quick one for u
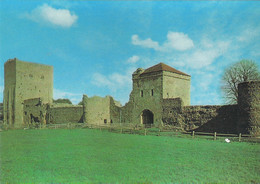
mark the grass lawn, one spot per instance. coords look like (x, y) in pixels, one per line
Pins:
(94, 156)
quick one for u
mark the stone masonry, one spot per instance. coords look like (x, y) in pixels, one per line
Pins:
(160, 96)
(24, 80)
(150, 88)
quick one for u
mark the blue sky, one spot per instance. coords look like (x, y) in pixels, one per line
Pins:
(95, 46)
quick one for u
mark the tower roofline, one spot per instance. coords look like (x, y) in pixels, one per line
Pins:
(162, 67)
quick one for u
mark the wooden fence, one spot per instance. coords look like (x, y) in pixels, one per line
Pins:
(151, 130)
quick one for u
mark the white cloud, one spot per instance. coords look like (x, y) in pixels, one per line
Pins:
(206, 55)
(175, 41)
(118, 85)
(113, 81)
(202, 58)
(148, 43)
(50, 15)
(207, 80)
(248, 34)
(100, 80)
(74, 97)
(133, 59)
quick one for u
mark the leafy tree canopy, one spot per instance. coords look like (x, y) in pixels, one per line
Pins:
(62, 100)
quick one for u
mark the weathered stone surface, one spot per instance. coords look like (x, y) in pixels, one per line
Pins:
(1, 113)
(34, 111)
(151, 87)
(249, 106)
(100, 111)
(64, 113)
(24, 80)
(160, 96)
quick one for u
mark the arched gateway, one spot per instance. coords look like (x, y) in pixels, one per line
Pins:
(147, 117)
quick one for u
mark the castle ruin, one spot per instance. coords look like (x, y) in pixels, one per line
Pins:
(22, 81)
(160, 96)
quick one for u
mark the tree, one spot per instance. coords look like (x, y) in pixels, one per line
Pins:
(81, 102)
(242, 71)
(62, 100)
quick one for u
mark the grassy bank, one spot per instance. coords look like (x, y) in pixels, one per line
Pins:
(84, 155)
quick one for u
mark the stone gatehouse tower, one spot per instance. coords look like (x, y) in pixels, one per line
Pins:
(22, 81)
(151, 87)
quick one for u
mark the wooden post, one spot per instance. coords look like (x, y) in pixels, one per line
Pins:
(239, 137)
(159, 132)
(215, 136)
(145, 131)
(193, 134)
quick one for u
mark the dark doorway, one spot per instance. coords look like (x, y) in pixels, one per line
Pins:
(147, 117)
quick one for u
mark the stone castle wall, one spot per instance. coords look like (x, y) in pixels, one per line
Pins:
(249, 107)
(146, 95)
(100, 111)
(25, 80)
(213, 118)
(1, 112)
(221, 119)
(34, 111)
(176, 86)
(64, 113)
(115, 111)
(158, 97)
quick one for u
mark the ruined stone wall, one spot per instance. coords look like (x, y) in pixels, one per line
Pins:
(221, 119)
(1, 113)
(176, 86)
(9, 92)
(249, 106)
(126, 113)
(25, 80)
(172, 109)
(101, 111)
(34, 111)
(64, 113)
(96, 110)
(115, 111)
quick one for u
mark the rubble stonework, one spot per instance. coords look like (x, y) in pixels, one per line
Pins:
(22, 81)
(64, 113)
(34, 111)
(249, 106)
(160, 96)
(207, 118)
(1, 113)
(100, 111)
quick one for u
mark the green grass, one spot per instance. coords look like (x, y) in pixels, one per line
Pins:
(94, 156)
